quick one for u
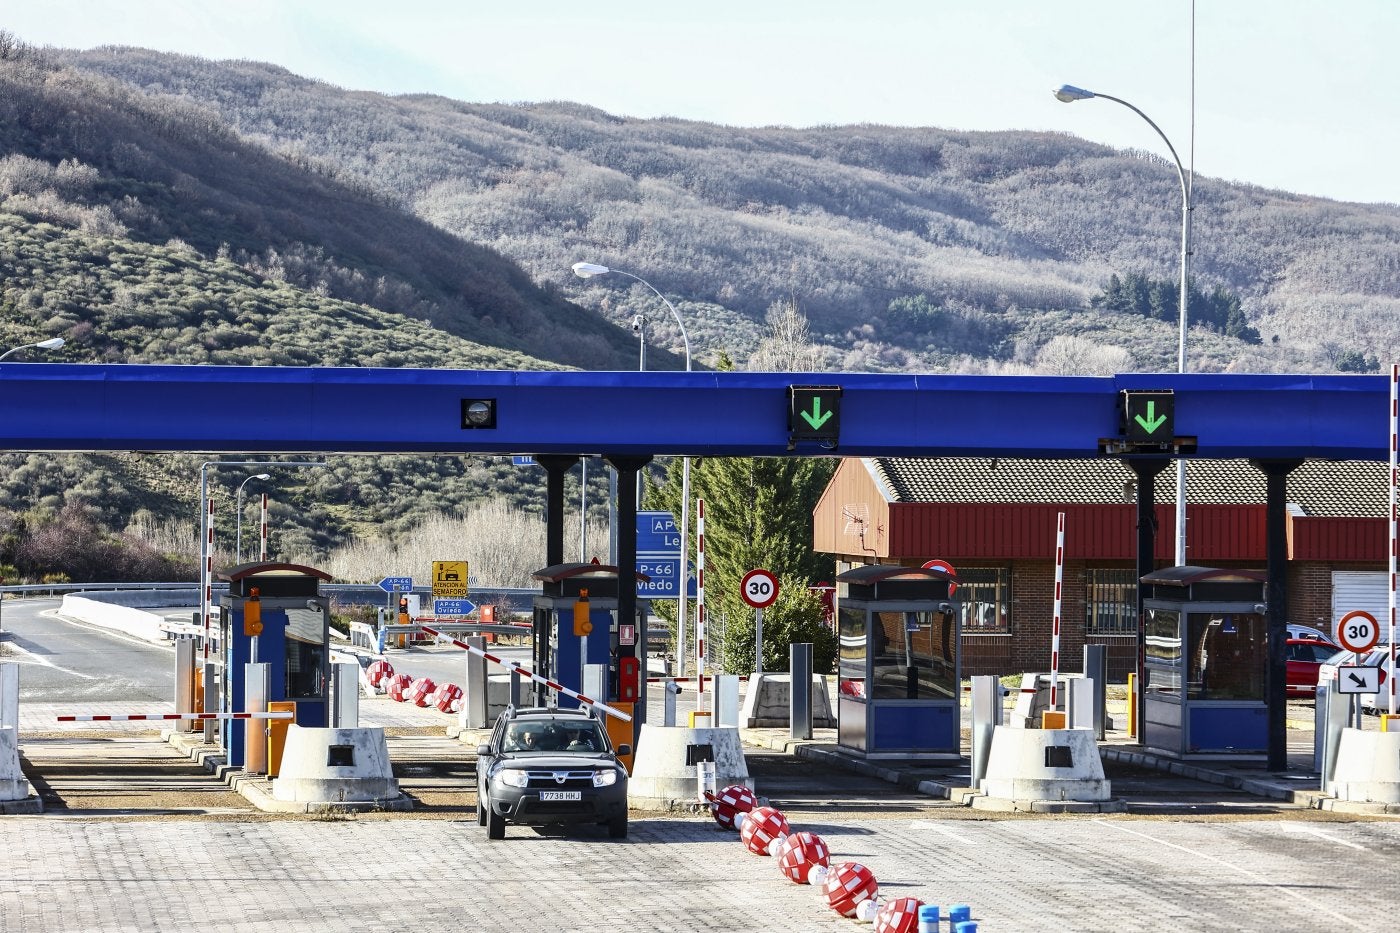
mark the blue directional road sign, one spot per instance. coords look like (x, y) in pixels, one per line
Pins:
(665, 575)
(523, 461)
(453, 607)
(658, 535)
(396, 584)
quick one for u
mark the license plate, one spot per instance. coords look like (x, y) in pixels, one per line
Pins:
(561, 795)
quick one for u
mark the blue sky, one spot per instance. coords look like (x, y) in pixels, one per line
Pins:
(1293, 94)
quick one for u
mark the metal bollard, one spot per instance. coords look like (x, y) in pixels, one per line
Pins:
(1096, 669)
(800, 690)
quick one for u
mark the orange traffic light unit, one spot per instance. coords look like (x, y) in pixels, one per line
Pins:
(582, 623)
(252, 614)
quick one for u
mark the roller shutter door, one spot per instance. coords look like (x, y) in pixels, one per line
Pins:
(1365, 590)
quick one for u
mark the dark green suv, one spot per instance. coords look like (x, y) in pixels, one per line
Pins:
(545, 766)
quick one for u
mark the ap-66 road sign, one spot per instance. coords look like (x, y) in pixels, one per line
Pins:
(396, 584)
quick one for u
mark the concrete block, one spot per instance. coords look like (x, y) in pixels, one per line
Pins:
(1045, 764)
(661, 779)
(1368, 767)
(767, 702)
(13, 785)
(337, 766)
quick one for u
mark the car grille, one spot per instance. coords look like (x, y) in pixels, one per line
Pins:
(550, 780)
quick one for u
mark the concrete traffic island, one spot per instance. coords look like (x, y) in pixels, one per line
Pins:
(768, 698)
(15, 794)
(1046, 771)
(334, 770)
(661, 777)
(1368, 767)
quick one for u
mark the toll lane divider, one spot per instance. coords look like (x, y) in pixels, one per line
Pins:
(136, 717)
(512, 665)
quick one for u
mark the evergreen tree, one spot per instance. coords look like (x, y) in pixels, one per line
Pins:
(758, 513)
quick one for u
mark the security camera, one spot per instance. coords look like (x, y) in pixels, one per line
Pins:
(313, 605)
(637, 324)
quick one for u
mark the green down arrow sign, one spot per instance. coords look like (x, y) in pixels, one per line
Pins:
(1148, 417)
(814, 412)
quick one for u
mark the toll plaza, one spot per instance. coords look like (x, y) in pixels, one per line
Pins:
(1148, 419)
(899, 684)
(275, 618)
(1206, 663)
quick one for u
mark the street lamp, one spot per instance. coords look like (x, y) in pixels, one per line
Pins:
(1068, 94)
(238, 536)
(53, 343)
(587, 270)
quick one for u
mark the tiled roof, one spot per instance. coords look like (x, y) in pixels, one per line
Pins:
(1318, 487)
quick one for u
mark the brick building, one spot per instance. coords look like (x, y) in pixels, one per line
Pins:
(994, 521)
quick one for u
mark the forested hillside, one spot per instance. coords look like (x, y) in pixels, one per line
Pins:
(157, 208)
(1006, 237)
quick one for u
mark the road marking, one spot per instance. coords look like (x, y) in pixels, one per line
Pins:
(32, 658)
(1299, 828)
(1319, 906)
(930, 824)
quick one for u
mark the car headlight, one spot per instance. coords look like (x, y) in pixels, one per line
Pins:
(513, 778)
(604, 778)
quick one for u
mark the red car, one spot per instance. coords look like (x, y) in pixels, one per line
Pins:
(1305, 656)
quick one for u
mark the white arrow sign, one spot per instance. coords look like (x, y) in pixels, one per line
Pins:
(1358, 678)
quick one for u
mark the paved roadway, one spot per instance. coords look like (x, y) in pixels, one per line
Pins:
(146, 840)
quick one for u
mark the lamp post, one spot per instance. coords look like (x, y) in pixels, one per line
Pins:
(238, 536)
(587, 270)
(53, 343)
(206, 531)
(1068, 94)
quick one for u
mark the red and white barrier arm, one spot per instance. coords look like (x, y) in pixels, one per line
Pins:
(526, 672)
(137, 717)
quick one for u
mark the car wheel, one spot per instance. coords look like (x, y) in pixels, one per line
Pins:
(495, 825)
(617, 827)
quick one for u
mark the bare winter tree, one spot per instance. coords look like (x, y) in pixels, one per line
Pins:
(788, 345)
(1075, 356)
(503, 546)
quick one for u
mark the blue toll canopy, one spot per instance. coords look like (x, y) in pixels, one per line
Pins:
(292, 409)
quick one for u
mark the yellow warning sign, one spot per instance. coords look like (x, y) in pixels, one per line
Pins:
(450, 578)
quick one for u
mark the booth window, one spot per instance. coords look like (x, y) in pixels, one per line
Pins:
(1162, 638)
(306, 654)
(851, 636)
(1228, 656)
(913, 656)
(984, 594)
(1110, 601)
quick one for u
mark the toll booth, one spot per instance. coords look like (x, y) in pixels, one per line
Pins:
(576, 623)
(274, 614)
(899, 672)
(1205, 663)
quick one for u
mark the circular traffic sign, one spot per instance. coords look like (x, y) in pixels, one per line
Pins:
(759, 589)
(947, 568)
(1358, 631)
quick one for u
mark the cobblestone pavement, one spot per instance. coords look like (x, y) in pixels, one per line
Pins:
(684, 873)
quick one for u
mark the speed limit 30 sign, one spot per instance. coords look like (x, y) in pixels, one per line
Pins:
(759, 589)
(1358, 631)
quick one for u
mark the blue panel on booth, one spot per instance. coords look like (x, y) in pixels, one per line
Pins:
(1229, 729)
(915, 728)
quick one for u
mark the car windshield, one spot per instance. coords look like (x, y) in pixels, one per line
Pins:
(554, 736)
